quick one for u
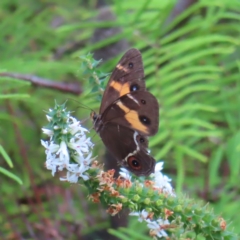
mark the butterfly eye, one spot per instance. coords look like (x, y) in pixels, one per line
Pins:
(142, 140)
(93, 116)
(144, 120)
(143, 101)
(133, 163)
(134, 87)
(130, 65)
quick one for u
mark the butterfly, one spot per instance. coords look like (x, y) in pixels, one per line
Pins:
(128, 115)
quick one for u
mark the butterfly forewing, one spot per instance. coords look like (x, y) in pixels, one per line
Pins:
(130, 149)
(137, 110)
(128, 76)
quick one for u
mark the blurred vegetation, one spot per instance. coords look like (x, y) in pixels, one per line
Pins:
(191, 56)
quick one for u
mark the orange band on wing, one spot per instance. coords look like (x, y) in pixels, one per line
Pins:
(132, 117)
(122, 89)
(121, 67)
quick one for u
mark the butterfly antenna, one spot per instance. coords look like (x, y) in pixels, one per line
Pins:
(82, 105)
(95, 134)
(84, 120)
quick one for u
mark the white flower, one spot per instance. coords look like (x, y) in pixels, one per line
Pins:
(125, 173)
(159, 166)
(64, 131)
(55, 160)
(63, 153)
(80, 144)
(52, 164)
(83, 160)
(73, 153)
(49, 118)
(47, 132)
(74, 172)
(75, 126)
(162, 181)
(50, 148)
(157, 227)
(141, 215)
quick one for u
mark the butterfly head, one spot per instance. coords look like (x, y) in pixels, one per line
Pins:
(94, 116)
(97, 123)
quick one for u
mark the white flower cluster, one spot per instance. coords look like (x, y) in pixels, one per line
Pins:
(160, 181)
(76, 148)
(156, 227)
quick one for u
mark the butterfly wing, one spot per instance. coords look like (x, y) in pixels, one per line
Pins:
(128, 76)
(128, 114)
(137, 110)
(130, 149)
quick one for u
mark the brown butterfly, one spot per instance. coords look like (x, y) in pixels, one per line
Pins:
(128, 114)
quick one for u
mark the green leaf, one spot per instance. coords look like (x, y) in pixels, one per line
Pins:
(14, 96)
(214, 165)
(10, 175)
(191, 152)
(233, 155)
(6, 157)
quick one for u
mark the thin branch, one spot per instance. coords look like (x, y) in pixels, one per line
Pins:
(73, 88)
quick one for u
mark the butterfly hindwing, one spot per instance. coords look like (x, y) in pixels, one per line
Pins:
(130, 149)
(126, 77)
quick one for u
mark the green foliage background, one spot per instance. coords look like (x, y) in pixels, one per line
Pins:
(192, 66)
